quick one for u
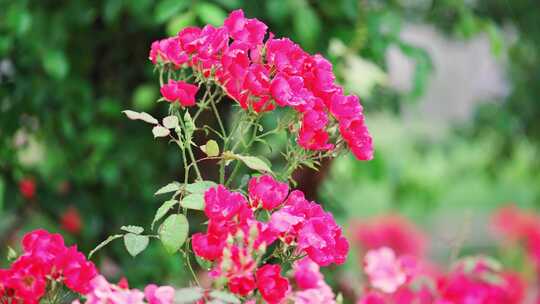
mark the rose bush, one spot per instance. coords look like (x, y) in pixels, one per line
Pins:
(250, 241)
(262, 241)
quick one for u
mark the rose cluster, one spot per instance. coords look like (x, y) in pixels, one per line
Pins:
(102, 291)
(312, 289)
(236, 240)
(313, 230)
(45, 258)
(473, 280)
(261, 74)
(396, 279)
(399, 273)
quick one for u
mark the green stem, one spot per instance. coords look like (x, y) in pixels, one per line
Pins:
(202, 106)
(161, 76)
(187, 145)
(214, 108)
(253, 125)
(223, 134)
(233, 174)
(188, 262)
(221, 172)
(192, 156)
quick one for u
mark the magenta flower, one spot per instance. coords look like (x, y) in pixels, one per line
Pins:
(179, 91)
(287, 91)
(242, 285)
(222, 204)
(356, 134)
(260, 74)
(272, 286)
(267, 192)
(472, 280)
(76, 270)
(311, 284)
(45, 257)
(249, 31)
(168, 50)
(314, 230)
(207, 246)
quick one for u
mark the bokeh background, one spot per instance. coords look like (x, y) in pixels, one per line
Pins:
(451, 89)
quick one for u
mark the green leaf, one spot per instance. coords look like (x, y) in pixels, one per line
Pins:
(160, 131)
(339, 298)
(140, 116)
(135, 244)
(224, 296)
(187, 295)
(170, 187)
(255, 163)
(210, 13)
(165, 207)
(205, 264)
(12, 254)
(104, 243)
(173, 232)
(56, 64)
(170, 122)
(200, 187)
(168, 8)
(193, 201)
(492, 263)
(211, 148)
(132, 229)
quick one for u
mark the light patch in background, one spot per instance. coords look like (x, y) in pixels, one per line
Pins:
(465, 74)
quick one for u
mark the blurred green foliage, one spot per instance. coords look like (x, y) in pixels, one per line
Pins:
(67, 69)
(417, 174)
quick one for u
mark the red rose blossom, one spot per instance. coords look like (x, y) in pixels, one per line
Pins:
(179, 91)
(272, 286)
(27, 187)
(71, 221)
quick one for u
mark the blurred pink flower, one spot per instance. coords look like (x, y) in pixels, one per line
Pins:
(384, 270)
(159, 294)
(393, 231)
